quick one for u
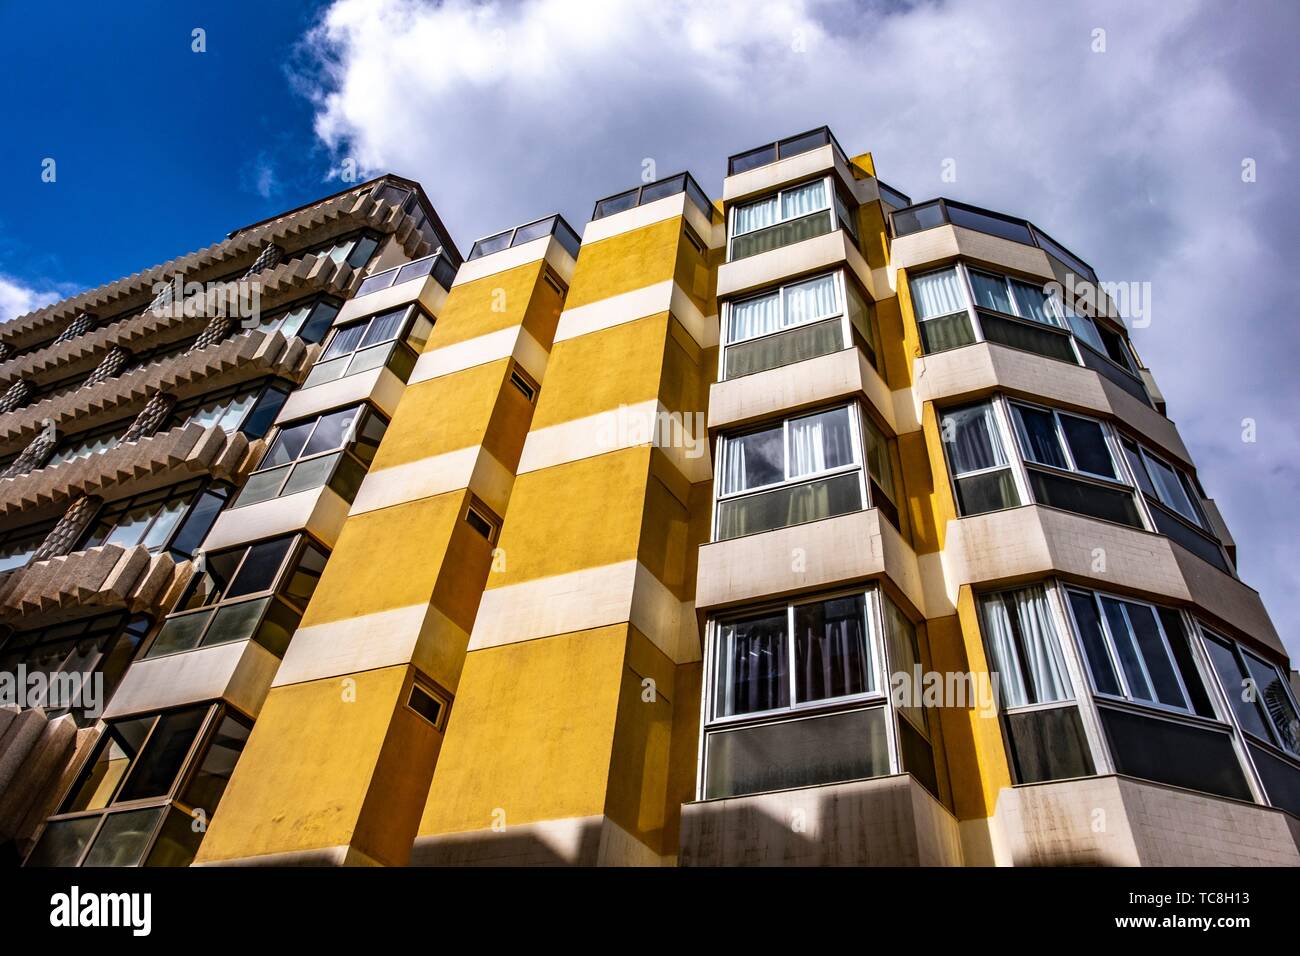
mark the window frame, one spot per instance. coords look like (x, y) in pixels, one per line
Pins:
(263, 387)
(842, 292)
(398, 343)
(838, 208)
(197, 488)
(188, 767)
(858, 464)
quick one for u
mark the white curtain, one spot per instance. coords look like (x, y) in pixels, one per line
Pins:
(803, 200)
(819, 442)
(756, 215)
(733, 469)
(938, 293)
(754, 317)
(973, 442)
(1024, 647)
(812, 300)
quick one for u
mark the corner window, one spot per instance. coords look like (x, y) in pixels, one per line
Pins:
(332, 449)
(150, 778)
(1173, 501)
(1040, 718)
(786, 217)
(795, 696)
(392, 339)
(257, 591)
(982, 473)
(1257, 691)
(799, 321)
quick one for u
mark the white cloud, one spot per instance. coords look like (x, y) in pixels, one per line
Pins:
(18, 299)
(1131, 157)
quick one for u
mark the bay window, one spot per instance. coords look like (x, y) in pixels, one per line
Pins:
(393, 339)
(960, 305)
(1040, 716)
(983, 475)
(805, 468)
(1265, 709)
(798, 321)
(140, 797)
(256, 591)
(796, 695)
(1173, 500)
(1071, 464)
(788, 216)
(331, 449)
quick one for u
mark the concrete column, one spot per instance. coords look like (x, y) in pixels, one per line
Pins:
(112, 366)
(82, 324)
(16, 397)
(150, 418)
(63, 537)
(34, 456)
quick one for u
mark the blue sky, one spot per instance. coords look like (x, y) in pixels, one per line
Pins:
(1128, 150)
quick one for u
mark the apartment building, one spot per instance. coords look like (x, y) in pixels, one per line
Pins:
(808, 525)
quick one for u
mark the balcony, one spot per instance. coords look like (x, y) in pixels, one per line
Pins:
(784, 149)
(941, 212)
(652, 192)
(439, 265)
(522, 235)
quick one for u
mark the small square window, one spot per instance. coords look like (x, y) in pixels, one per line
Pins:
(425, 704)
(477, 518)
(524, 384)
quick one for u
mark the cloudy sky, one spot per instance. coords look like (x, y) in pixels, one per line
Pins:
(1155, 139)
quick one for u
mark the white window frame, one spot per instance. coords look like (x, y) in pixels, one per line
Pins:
(878, 696)
(1010, 451)
(841, 293)
(1107, 433)
(859, 463)
(833, 201)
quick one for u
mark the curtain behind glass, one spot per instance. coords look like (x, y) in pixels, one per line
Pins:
(344, 341)
(812, 300)
(937, 293)
(991, 292)
(973, 442)
(755, 215)
(752, 673)
(803, 200)
(1033, 303)
(1024, 648)
(754, 317)
(820, 442)
(832, 658)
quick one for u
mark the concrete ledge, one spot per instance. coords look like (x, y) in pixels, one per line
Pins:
(833, 552)
(886, 821)
(318, 511)
(546, 248)
(975, 371)
(944, 243)
(575, 841)
(424, 290)
(1022, 544)
(790, 388)
(1120, 821)
(239, 673)
(833, 250)
(378, 386)
(770, 177)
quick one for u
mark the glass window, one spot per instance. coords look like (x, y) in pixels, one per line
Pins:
(1024, 649)
(811, 464)
(789, 216)
(373, 342)
(249, 408)
(93, 441)
(1257, 692)
(309, 321)
(980, 468)
(149, 519)
(1129, 653)
(255, 592)
(333, 449)
(17, 545)
(800, 654)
